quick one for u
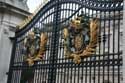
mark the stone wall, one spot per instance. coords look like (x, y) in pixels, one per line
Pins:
(10, 16)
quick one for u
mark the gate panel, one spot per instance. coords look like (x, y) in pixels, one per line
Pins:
(105, 66)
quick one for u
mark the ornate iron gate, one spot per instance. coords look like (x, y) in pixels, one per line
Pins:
(105, 66)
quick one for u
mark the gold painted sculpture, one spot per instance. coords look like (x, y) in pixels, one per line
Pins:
(34, 47)
(80, 38)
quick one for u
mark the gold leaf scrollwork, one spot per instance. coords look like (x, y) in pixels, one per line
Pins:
(91, 48)
(31, 54)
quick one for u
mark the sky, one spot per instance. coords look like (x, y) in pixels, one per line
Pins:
(33, 4)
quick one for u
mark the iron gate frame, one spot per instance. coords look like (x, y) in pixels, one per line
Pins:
(94, 6)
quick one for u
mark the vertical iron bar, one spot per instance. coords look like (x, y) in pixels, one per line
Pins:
(104, 40)
(113, 62)
(99, 38)
(118, 46)
(12, 61)
(109, 32)
(86, 59)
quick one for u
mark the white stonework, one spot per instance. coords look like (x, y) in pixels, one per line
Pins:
(12, 12)
(17, 3)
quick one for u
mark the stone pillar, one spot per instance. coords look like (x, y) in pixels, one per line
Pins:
(10, 15)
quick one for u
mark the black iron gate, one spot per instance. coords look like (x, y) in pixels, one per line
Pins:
(105, 66)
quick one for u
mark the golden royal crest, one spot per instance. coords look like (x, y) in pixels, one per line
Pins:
(34, 46)
(80, 38)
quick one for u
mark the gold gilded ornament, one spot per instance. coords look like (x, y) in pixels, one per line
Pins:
(80, 38)
(66, 33)
(90, 49)
(42, 47)
(34, 46)
(78, 42)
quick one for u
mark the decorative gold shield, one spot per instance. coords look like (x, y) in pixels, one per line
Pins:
(80, 38)
(34, 46)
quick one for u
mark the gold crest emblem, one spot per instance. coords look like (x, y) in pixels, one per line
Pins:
(80, 38)
(34, 46)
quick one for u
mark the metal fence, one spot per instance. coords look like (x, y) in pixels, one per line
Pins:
(105, 66)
